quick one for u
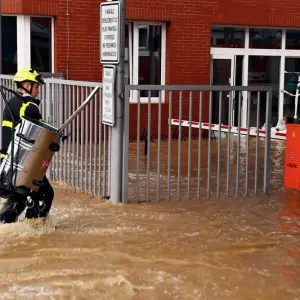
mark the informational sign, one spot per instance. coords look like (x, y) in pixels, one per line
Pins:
(108, 95)
(110, 32)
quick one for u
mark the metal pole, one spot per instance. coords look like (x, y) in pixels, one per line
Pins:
(117, 130)
(267, 160)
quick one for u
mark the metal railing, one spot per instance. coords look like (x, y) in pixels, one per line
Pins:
(83, 160)
(172, 149)
(195, 166)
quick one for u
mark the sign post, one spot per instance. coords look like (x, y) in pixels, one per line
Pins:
(110, 33)
(112, 56)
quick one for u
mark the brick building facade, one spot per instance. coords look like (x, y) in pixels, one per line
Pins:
(252, 39)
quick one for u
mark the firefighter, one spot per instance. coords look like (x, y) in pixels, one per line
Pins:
(24, 104)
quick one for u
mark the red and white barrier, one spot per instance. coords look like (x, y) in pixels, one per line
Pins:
(278, 135)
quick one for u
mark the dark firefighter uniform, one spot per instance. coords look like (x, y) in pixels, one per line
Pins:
(20, 107)
(23, 106)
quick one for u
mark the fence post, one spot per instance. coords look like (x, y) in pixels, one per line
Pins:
(126, 147)
(117, 130)
(48, 116)
(268, 142)
(48, 103)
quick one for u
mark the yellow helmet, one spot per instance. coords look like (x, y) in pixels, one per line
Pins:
(28, 74)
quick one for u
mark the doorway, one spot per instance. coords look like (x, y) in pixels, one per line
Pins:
(226, 70)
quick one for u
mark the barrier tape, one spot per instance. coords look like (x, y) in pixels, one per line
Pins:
(279, 135)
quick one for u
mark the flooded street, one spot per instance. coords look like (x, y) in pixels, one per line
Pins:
(142, 171)
(222, 248)
(217, 249)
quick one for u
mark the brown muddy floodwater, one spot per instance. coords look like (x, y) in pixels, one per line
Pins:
(229, 248)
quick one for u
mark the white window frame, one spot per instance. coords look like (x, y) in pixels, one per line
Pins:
(24, 41)
(246, 52)
(52, 45)
(129, 53)
(134, 71)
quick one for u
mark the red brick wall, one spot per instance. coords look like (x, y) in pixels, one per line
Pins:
(12, 6)
(188, 33)
(188, 36)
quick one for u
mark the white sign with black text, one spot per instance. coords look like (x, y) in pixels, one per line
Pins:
(110, 32)
(108, 95)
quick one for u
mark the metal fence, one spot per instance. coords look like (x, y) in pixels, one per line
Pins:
(163, 162)
(83, 160)
(172, 149)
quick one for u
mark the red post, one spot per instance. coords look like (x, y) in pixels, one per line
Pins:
(292, 157)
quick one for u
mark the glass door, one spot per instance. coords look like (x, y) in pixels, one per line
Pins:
(222, 74)
(264, 71)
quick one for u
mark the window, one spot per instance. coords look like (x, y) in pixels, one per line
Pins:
(128, 53)
(265, 38)
(26, 42)
(40, 34)
(9, 45)
(291, 77)
(145, 56)
(293, 39)
(271, 57)
(264, 70)
(149, 64)
(229, 37)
